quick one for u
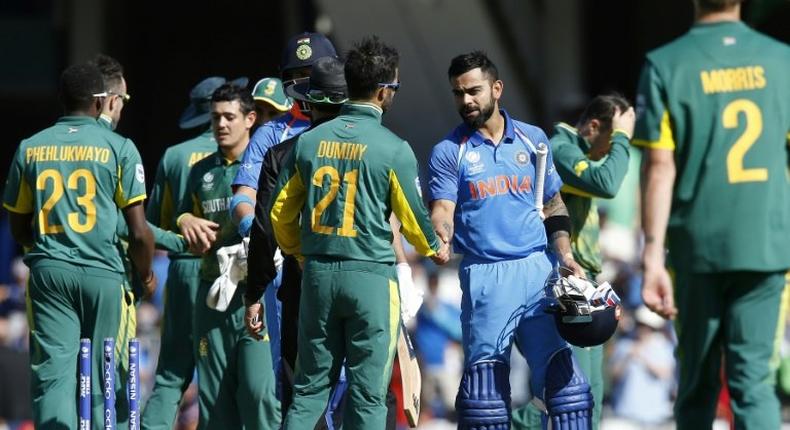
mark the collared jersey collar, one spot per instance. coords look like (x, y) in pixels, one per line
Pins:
(701, 26)
(573, 135)
(77, 120)
(220, 157)
(362, 109)
(477, 139)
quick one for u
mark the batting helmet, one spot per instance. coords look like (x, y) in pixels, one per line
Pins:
(586, 313)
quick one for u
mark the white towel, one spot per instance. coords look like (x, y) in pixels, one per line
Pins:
(232, 268)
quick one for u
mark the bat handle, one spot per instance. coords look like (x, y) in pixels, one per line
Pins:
(540, 173)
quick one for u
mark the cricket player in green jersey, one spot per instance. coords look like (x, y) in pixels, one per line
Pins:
(344, 178)
(114, 100)
(592, 160)
(176, 363)
(713, 114)
(62, 181)
(236, 379)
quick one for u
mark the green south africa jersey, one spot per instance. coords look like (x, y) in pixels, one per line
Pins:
(207, 195)
(583, 181)
(69, 177)
(719, 97)
(171, 180)
(344, 178)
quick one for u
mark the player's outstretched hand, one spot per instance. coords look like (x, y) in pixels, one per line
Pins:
(624, 121)
(199, 233)
(443, 256)
(657, 291)
(253, 320)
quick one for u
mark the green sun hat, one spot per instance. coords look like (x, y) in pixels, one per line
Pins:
(270, 90)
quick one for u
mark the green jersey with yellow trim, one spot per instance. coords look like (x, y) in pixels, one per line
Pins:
(171, 180)
(68, 177)
(345, 177)
(584, 180)
(719, 97)
(207, 195)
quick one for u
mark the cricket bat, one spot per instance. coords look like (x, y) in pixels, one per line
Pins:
(540, 173)
(411, 380)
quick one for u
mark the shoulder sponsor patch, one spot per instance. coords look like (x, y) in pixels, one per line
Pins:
(418, 185)
(139, 173)
(580, 167)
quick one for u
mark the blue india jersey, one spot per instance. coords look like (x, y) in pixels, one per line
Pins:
(493, 187)
(266, 136)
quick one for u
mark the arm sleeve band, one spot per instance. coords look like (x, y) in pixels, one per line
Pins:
(557, 223)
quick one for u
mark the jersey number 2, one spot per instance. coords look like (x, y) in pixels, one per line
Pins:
(754, 127)
(350, 178)
(85, 200)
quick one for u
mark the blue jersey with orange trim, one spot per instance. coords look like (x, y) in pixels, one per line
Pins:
(268, 135)
(493, 187)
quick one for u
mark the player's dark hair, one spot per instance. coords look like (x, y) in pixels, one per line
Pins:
(110, 68)
(715, 5)
(603, 108)
(371, 62)
(229, 92)
(78, 84)
(473, 60)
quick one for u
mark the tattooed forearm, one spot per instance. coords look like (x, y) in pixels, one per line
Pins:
(555, 206)
(448, 229)
(557, 235)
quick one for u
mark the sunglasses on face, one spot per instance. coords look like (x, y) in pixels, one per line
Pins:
(320, 96)
(394, 86)
(124, 97)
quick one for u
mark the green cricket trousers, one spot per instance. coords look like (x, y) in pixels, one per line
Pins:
(349, 310)
(733, 315)
(67, 302)
(236, 385)
(176, 363)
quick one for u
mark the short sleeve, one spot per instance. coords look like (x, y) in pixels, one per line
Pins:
(18, 196)
(653, 129)
(443, 171)
(250, 169)
(131, 176)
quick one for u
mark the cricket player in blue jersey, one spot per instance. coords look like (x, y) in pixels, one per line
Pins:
(482, 181)
(298, 57)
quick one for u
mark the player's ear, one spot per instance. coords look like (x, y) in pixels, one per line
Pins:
(250, 118)
(496, 89)
(594, 125)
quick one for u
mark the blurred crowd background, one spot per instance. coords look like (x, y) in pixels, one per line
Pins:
(553, 57)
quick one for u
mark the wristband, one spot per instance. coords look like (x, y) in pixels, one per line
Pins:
(620, 130)
(245, 225)
(237, 199)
